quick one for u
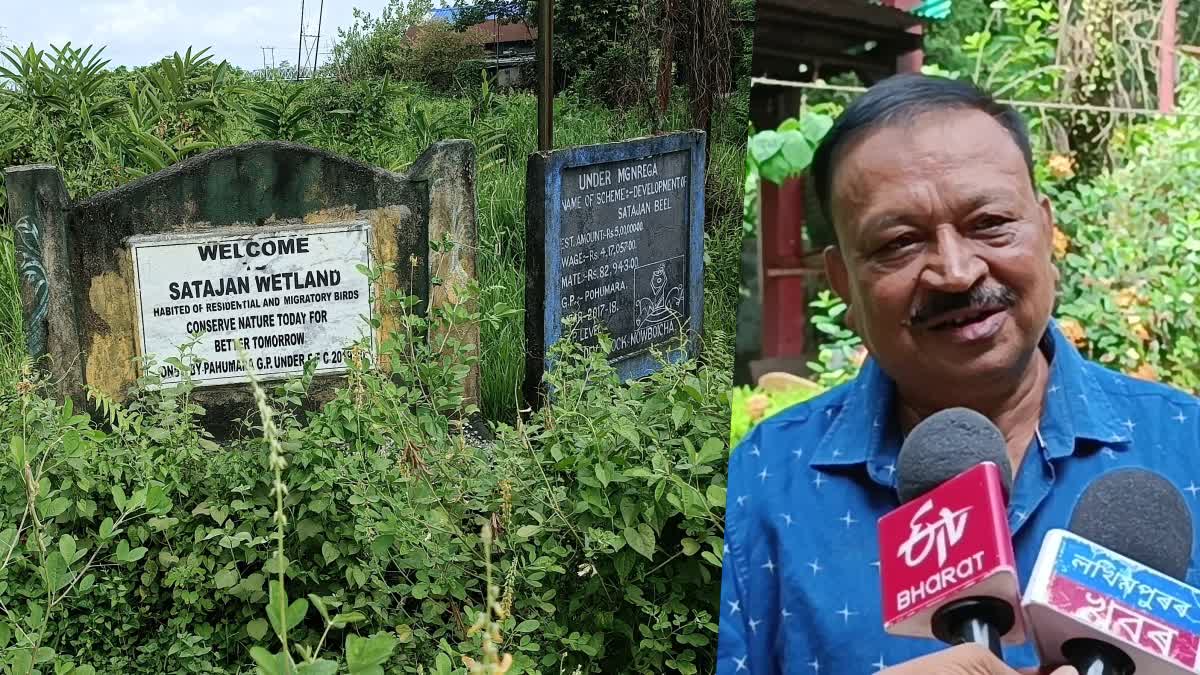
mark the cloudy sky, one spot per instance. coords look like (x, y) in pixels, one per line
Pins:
(138, 32)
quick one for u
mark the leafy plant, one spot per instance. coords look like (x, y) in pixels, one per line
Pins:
(778, 155)
(786, 152)
(60, 80)
(1128, 254)
(281, 114)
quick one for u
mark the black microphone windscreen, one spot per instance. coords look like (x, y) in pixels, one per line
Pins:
(946, 444)
(1140, 515)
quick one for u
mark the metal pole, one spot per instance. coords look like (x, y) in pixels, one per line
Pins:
(300, 47)
(317, 49)
(1166, 57)
(545, 75)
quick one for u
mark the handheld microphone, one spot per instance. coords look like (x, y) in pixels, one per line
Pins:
(946, 557)
(1105, 595)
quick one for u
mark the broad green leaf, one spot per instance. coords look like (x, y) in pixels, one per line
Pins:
(55, 571)
(16, 443)
(797, 151)
(296, 612)
(276, 604)
(226, 578)
(528, 626)
(764, 145)
(342, 620)
(626, 428)
(526, 531)
(715, 496)
(679, 415)
(777, 169)
(66, 546)
(8, 538)
(365, 656)
(157, 502)
(21, 660)
(118, 497)
(320, 605)
(125, 554)
(55, 507)
(137, 500)
(268, 663)
(257, 629)
(329, 552)
(629, 511)
(815, 126)
(318, 667)
(602, 474)
(713, 450)
(641, 539)
(86, 583)
(690, 546)
(106, 528)
(162, 524)
(307, 528)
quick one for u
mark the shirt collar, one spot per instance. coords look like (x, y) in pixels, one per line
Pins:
(862, 429)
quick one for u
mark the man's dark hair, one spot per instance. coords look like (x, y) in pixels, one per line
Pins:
(896, 100)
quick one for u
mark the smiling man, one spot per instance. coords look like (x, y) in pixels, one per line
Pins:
(943, 254)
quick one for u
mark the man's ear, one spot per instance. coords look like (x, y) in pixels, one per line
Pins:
(1049, 226)
(839, 279)
(836, 272)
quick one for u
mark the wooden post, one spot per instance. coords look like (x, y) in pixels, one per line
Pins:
(545, 75)
(781, 237)
(909, 62)
(1166, 57)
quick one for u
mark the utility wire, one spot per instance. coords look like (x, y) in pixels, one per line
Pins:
(1050, 105)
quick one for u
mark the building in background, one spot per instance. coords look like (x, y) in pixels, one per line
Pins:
(510, 45)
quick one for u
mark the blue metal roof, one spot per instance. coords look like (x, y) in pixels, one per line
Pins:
(451, 13)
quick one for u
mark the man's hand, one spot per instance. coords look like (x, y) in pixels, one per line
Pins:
(967, 659)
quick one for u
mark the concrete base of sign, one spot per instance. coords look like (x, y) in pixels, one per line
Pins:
(77, 272)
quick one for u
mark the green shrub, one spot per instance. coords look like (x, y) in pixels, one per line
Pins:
(433, 52)
(605, 507)
(1131, 267)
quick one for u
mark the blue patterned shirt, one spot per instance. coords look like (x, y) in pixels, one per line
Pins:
(800, 585)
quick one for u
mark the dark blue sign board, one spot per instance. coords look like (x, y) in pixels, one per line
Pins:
(615, 237)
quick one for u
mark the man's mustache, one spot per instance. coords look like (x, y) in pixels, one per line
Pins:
(981, 297)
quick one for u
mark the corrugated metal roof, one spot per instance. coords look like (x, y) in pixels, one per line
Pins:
(518, 31)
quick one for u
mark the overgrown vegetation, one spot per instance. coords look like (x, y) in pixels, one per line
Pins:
(375, 535)
(103, 128)
(146, 547)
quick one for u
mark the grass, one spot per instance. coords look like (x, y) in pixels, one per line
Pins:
(12, 352)
(505, 134)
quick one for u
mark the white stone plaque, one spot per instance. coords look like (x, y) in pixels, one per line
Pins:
(284, 296)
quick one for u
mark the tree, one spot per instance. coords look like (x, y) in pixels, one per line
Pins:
(371, 46)
(471, 12)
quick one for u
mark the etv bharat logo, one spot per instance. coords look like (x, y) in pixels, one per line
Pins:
(942, 533)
